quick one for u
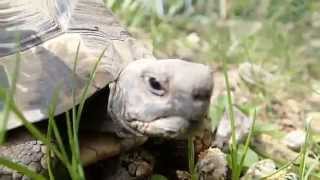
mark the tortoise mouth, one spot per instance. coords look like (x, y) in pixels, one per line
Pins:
(168, 127)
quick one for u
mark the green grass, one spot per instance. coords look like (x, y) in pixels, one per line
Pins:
(234, 145)
(237, 161)
(284, 167)
(191, 159)
(304, 151)
(247, 143)
(21, 168)
(8, 99)
(305, 170)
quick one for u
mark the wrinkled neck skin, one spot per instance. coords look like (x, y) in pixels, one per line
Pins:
(160, 98)
(116, 110)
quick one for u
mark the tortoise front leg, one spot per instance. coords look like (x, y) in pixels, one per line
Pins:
(99, 146)
(22, 148)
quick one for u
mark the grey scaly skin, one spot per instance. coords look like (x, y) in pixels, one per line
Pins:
(28, 153)
(167, 98)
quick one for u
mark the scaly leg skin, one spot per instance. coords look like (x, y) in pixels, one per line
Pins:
(23, 149)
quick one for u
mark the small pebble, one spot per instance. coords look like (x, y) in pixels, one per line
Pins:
(315, 121)
(260, 169)
(295, 139)
(212, 165)
(243, 124)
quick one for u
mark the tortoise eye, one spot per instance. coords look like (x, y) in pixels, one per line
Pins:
(155, 84)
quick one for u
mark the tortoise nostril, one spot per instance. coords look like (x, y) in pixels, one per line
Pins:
(201, 95)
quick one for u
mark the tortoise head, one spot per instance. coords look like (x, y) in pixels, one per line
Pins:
(166, 98)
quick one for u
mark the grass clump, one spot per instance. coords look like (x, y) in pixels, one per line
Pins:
(58, 149)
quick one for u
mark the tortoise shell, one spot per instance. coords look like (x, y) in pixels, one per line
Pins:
(46, 35)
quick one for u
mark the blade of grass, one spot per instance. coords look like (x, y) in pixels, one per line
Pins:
(281, 168)
(11, 107)
(75, 62)
(76, 116)
(85, 92)
(310, 169)
(7, 95)
(73, 147)
(75, 169)
(70, 134)
(21, 169)
(38, 135)
(191, 154)
(34, 131)
(52, 127)
(52, 124)
(9, 98)
(304, 149)
(48, 151)
(247, 143)
(233, 146)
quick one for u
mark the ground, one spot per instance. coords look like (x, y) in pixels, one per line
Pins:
(278, 38)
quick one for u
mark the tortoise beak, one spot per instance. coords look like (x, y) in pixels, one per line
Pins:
(170, 127)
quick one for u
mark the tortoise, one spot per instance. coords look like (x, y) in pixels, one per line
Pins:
(136, 95)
